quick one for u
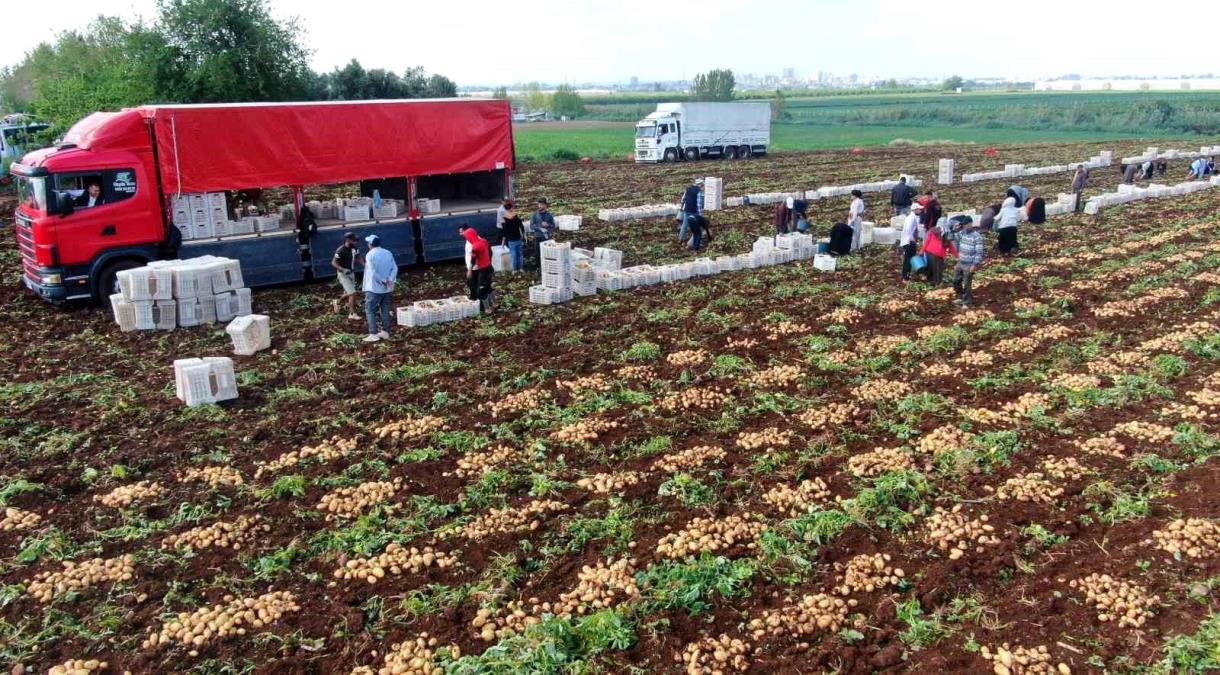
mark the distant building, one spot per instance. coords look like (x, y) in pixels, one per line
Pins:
(1133, 84)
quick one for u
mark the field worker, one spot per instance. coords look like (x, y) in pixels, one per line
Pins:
(542, 227)
(987, 218)
(901, 197)
(699, 233)
(692, 205)
(512, 236)
(1079, 181)
(380, 272)
(1146, 170)
(909, 240)
(783, 215)
(855, 217)
(800, 215)
(479, 271)
(1198, 169)
(505, 206)
(344, 262)
(1035, 210)
(1161, 167)
(935, 244)
(931, 209)
(970, 255)
(1006, 227)
(1019, 194)
(840, 239)
(1129, 173)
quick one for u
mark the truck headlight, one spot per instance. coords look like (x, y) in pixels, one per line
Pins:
(52, 279)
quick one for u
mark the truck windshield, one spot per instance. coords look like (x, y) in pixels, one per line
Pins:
(32, 192)
(646, 132)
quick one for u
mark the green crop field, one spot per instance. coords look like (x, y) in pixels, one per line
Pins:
(824, 122)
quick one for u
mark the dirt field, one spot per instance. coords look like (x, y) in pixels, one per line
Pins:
(835, 472)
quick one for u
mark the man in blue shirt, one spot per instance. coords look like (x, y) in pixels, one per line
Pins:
(380, 273)
(692, 206)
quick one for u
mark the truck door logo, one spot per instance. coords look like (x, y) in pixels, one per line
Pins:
(124, 182)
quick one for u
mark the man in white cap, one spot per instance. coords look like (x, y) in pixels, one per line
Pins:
(380, 273)
(909, 240)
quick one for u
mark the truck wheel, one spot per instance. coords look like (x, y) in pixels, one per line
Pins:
(671, 155)
(730, 152)
(744, 152)
(107, 282)
(692, 154)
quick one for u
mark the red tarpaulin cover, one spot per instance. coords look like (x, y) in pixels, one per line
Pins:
(205, 148)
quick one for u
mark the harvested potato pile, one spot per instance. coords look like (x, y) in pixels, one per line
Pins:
(770, 437)
(234, 617)
(410, 657)
(776, 377)
(46, 586)
(636, 373)
(944, 439)
(396, 560)
(879, 461)
(77, 667)
(507, 520)
(694, 398)
(352, 501)
(1144, 431)
(688, 358)
(1032, 487)
(1128, 604)
(1076, 382)
(831, 415)
(327, 451)
(690, 458)
(868, 573)
(843, 315)
(477, 463)
(972, 358)
(232, 535)
(811, 614)
(410, 428)
(1029, 404)
(1065, 468)
(711, 535)
(783, 329)
(216, 476)
(1190, 537)
(583, 386)
(715, 656)
(515, 404)
(1103, 445)
(875, 391)
(792, 501)
(16, 519)
(1008, 660)
(126, 495)
(604, 483)
(583, 431)
(956, 532)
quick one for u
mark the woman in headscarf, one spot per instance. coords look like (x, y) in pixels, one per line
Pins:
(934, 246)
(478, 268)
(1006, 227)
(855, 217)
(1035, 210)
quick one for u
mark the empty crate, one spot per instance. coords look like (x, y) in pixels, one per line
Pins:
(206, 380)
(250, 334)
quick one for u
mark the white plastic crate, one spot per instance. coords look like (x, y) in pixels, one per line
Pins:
(608, 258)
(165, 314)
(388, 209)
(225, 275)
(607, 281)
(501, 259)
(207, 380)
(585, 288)
(727, 263)
(250, 334)
(557, 280)
(351, 213)
(124, 313)
(824, 263)
(228, 305)
(745, 261)
(146, 283)
(207, 309)
(556, 266)
(554, 250)
(240, 227)
(667, 272)
(885, 236)
(568, 223)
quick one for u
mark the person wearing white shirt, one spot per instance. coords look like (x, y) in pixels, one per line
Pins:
(380, 273)
(1006, 227)
(909, 241)
(855, 218)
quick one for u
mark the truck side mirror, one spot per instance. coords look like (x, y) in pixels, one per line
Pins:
(64, 204)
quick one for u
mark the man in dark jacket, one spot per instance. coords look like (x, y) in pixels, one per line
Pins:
(840, 239)
(901, 197)
(692, 205)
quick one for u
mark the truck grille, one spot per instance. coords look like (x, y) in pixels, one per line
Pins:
(25, 243)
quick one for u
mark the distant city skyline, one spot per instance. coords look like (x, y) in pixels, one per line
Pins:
(481, 43)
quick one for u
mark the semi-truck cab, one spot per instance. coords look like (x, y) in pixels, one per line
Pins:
(101, 201)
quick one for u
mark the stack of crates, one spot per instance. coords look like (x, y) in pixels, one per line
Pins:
(204, 381)
(944, 174)
(556, 283)
(427, 312)
(713, 194)
(250, 333)
(584, 277)
(169, 293)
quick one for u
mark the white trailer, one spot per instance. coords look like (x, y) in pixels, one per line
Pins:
(692, 131)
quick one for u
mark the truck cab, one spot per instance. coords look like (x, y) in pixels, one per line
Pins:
(657, 138)
(83, 216)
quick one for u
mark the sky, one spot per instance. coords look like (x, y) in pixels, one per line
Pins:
(481, 42)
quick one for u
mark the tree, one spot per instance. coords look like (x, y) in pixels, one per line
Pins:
(953, 83)
(535, 99)
(500, 93)
(231, 50)
(715, 85)
(778, 106)
(566, 102)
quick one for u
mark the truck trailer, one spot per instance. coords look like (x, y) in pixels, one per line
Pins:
(453, 155)
(692, 131)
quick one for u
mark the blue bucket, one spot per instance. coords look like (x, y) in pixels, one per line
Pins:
(919, 262)
(823, 247)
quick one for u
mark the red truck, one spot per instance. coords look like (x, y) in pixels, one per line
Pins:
(455, 156)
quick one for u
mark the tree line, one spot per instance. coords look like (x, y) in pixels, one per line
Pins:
(196, 51)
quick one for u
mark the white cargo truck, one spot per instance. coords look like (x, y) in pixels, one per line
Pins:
(691, 131)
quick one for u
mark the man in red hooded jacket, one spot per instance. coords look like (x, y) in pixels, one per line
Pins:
(478, 267)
